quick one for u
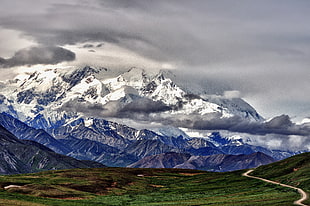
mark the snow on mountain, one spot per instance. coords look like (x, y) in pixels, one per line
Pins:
(171, 132)
(70, 106)
(39, 99)
(217, 138)
(43, 92)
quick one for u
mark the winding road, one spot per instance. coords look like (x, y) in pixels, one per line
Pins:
(304, 195)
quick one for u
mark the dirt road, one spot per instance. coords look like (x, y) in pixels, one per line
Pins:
(303, 194)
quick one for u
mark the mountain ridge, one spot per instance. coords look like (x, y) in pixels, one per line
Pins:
(114, 144)
(24, 156)
(45, 91)
(69, 112)
(215, 163)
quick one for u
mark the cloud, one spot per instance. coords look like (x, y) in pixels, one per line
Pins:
(137, 107)
(38, 55)
(232, 94)
(144, 109)
(2, 61)
(88, 46)
(282, 142)
(277, 133)
(258, 48)
(144, 105)
(87, 109)
(280, 125)
(99, 45)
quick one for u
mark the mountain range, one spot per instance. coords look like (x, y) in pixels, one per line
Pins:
(215, 163)
(124, 145)
(56, 94)
(25, 156)
(69, 112)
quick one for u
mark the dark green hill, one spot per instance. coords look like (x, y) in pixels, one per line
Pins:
(293, 171)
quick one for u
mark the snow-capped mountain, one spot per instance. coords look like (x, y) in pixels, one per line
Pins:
(115, 144)
(68, 111)
(77, 92)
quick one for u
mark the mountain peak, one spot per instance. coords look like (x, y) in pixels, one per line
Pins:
(134, 74)
(135, 70)
(97, 86)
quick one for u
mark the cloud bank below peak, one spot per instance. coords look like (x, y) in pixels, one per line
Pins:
(144, 109)
(277, 133)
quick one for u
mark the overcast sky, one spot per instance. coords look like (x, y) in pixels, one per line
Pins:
(259, 48)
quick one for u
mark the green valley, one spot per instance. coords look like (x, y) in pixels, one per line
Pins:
(130, 186)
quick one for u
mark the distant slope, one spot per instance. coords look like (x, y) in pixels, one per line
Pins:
(217, 162)
(24, 156)
(24, 132)
(293, 171)
(118, 145)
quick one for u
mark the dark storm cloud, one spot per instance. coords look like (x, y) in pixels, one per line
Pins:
(99, 45)
(278, 133)
(88, 46)
(137, 108)
(141, 107)
(144, 109)
(196, 33)
(257, 47)
(84, 108)
(2, 61)
(144, 105)
(280, 125)
(69, 23)
(38, 55)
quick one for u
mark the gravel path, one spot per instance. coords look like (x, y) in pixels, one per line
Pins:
(304, 195)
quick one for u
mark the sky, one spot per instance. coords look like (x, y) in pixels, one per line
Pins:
(258, 49)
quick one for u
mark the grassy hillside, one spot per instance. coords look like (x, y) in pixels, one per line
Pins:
(293, 171)
(135, 186)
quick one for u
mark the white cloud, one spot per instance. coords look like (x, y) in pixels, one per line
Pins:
(232, 94)
(12, 41)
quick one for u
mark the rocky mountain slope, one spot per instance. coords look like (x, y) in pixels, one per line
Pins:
(115, 144)
(49, 93)
(24, 156)
(216, 163)
(67, 111)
